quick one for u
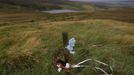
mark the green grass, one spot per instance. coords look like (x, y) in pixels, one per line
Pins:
(28, 40)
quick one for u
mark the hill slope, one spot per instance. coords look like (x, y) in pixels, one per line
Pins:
(28, 40)
(46, 5)
(38, 4)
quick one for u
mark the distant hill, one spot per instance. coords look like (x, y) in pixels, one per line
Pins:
(47, 4)
(66, 4)
(109, 3)
(25, 2)
(37, 4)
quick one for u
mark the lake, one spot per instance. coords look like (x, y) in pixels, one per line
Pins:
(57, 11)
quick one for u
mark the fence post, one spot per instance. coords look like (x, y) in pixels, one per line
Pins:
(65, 38)
(65, 43)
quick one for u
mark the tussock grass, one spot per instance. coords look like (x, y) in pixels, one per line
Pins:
(27, 46)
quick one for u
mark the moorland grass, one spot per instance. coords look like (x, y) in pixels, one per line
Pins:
(27, 46)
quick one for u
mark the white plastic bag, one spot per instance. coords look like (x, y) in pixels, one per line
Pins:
(71, 44)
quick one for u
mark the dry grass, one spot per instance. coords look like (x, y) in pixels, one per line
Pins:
(28, 45)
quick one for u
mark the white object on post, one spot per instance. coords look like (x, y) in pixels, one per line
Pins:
(71, 44)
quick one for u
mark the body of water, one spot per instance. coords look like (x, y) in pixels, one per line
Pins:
(59, 11)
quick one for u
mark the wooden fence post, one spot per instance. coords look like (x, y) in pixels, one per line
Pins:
(65, 43)
(65, 38)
